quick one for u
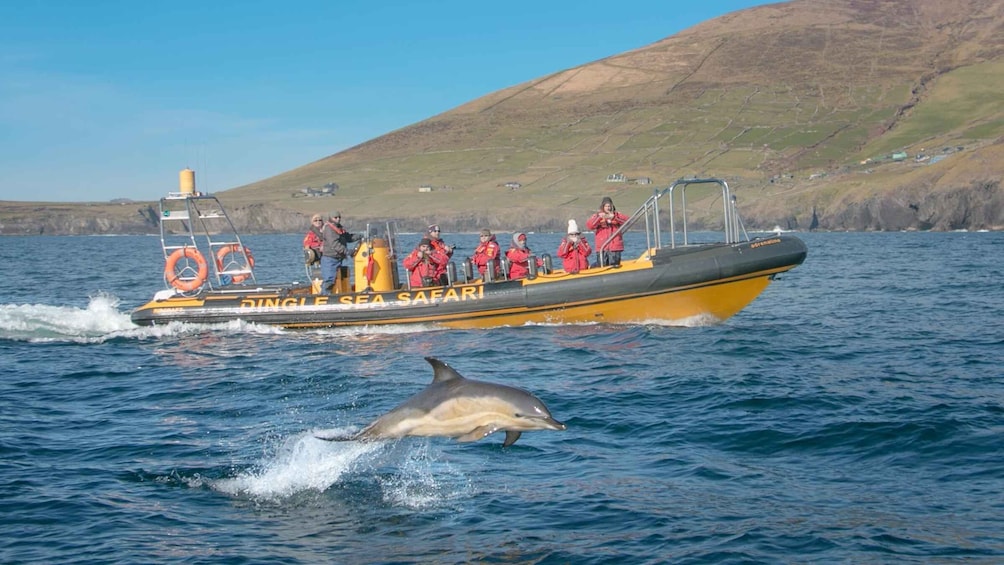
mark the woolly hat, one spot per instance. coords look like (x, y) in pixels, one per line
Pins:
(573, 227)
(335, 214)
(425, 241)
(432, 228)
(486, 231)
(518, 236)
(316, 217)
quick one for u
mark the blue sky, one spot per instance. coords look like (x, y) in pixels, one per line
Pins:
(103, 99)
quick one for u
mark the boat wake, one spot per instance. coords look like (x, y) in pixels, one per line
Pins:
(698, 321)
(102, 321)
(99, 322)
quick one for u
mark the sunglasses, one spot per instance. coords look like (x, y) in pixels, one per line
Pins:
(318, 221)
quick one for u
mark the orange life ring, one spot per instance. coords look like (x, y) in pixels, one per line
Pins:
(221, 256)
(172, 276)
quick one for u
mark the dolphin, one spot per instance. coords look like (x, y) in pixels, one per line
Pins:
(461, 408)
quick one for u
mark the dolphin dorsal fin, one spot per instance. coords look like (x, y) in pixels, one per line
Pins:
(441, 372)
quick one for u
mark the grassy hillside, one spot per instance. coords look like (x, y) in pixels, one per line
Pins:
(800, 105)
(768, 98)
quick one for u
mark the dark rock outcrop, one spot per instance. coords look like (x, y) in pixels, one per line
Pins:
(976, 207)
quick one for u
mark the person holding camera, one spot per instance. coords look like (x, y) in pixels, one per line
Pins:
(313, 240)
(334, 250)
(437, 244)
(605, 222)
(574, 250)
(424, 263)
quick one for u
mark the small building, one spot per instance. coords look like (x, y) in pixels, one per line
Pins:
(425, 188)
(616, 177)
(643, 180)
(513, 185)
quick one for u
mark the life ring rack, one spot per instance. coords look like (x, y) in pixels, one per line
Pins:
(241, 251)
(173, 276)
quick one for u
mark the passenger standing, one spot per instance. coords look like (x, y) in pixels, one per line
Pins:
(605, 222)
(436, 243)
(334, 250)
(488, 255)
(423, 263)
(574, 250)
(519, 257)
(314, 240)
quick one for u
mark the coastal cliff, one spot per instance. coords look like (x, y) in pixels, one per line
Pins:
(977, 206)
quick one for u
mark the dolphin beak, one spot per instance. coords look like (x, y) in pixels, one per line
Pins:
(556, 425)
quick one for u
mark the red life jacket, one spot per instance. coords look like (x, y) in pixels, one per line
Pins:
(425, 270)
(604, 228)
(487, 253)
(575, 257)
(519, 262)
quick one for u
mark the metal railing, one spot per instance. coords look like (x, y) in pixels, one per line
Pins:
(733, 228)
(201, 222)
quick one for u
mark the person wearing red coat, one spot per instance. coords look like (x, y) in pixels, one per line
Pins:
(437, 244)
(519, 257)
(487, 255)
(423, 263)
(574, 250)
(313, 240)
(605, 222)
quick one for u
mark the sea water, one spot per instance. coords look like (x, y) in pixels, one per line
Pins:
(853, 413)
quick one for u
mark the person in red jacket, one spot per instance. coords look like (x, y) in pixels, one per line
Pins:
(424, 263)
(519, 257)
(487, 255)
(437, 244)
(313, 240)
(574, 250)
(605, 222)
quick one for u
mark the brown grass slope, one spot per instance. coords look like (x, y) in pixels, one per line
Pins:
(785, 101)
(765, 97)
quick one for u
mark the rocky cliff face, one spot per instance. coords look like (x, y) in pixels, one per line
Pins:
(980, 205)
(133, 218)
(80, 219)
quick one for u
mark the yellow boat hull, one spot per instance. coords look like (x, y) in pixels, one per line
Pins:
(702, 284)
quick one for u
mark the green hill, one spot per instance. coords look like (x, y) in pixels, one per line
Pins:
(801, 106)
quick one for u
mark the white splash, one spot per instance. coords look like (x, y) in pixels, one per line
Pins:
(100, 321)
(698, 321)
(425, 481)
(303, 463)
(418, 479)
(40, 322)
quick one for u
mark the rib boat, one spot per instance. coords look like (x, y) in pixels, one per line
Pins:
(209, 276)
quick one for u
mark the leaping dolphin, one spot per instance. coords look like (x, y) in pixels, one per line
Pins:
(461, 408)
